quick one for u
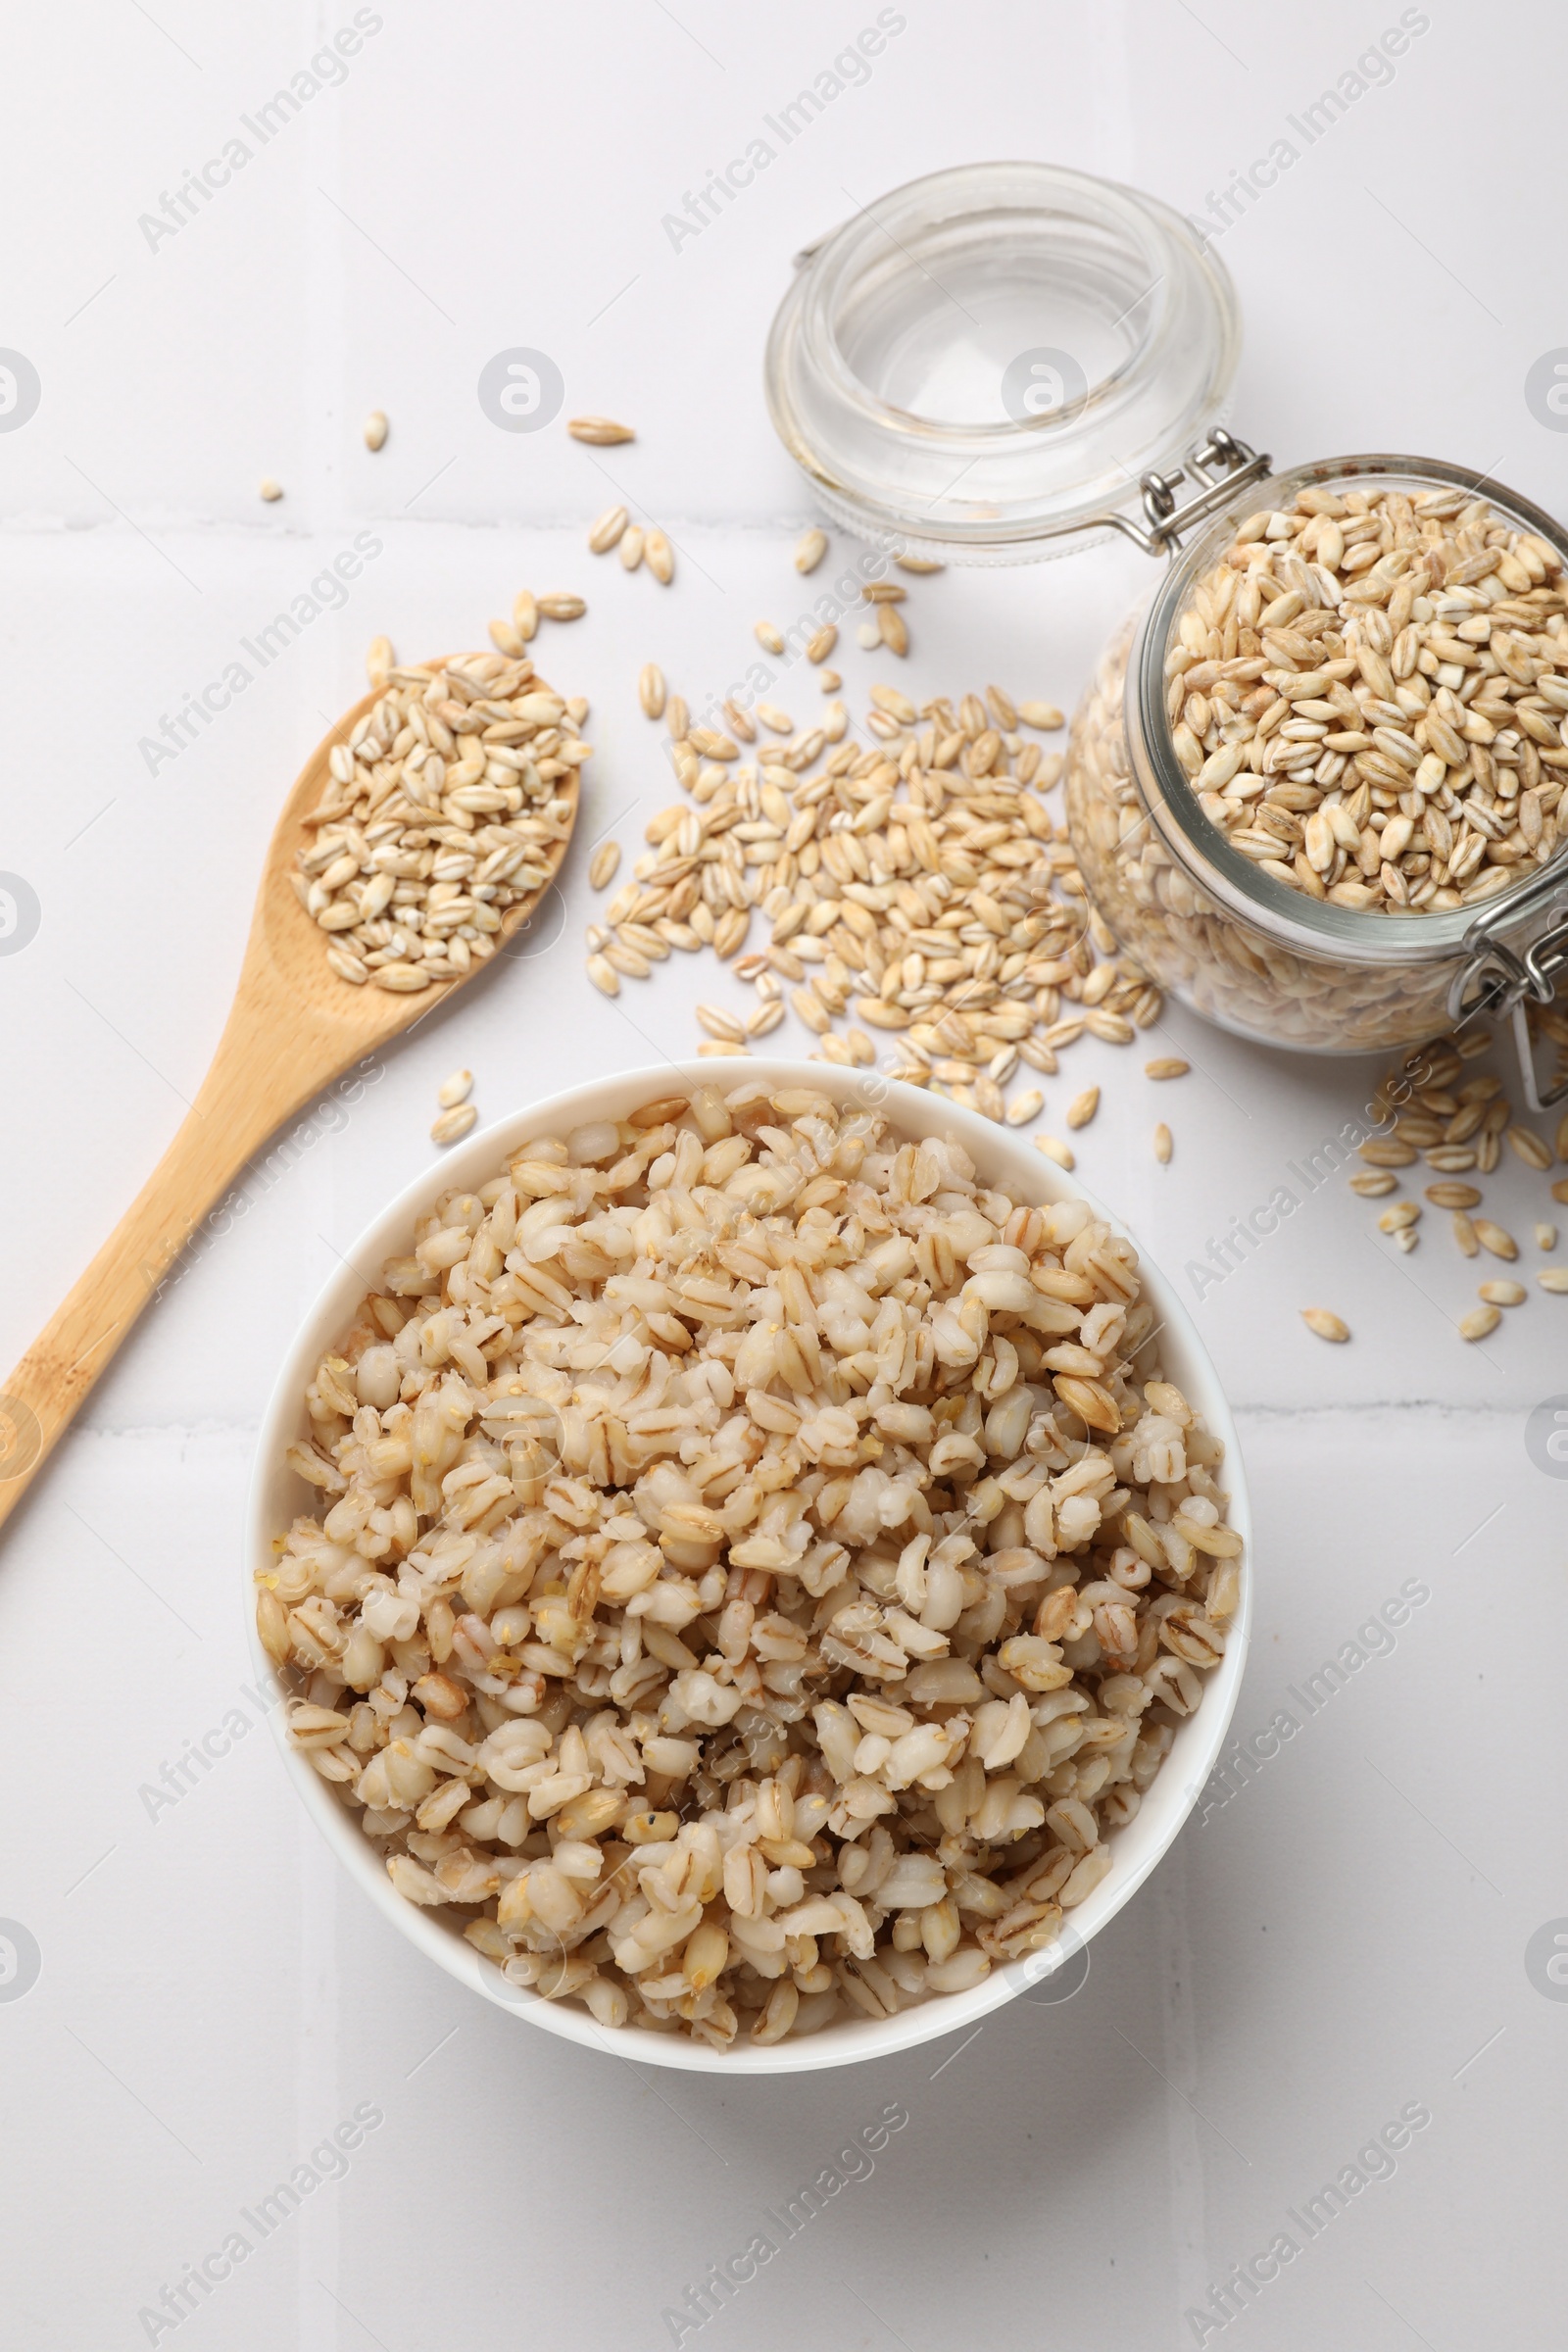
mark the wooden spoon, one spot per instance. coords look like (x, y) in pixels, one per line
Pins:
(294, 1026)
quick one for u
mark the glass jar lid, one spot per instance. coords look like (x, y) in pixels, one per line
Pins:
(989, 359)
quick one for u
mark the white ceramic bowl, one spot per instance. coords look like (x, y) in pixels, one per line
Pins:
(277, 1495)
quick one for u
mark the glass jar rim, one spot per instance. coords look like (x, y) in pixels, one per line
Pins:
(886, 380)
(1358, 935)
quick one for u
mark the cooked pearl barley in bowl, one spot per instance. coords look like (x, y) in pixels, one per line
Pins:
(1007, 1624)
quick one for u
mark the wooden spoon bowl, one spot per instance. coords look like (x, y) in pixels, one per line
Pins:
(293, 1028)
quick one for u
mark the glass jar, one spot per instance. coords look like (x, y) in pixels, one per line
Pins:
(971, 369)
(1242, 948)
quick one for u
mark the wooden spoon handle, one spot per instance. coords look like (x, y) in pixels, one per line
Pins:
(229, 1120)
(293, 1028)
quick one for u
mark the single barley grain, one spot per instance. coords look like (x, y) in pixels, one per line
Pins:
(660, 558)
(1373, 1183)
(1531, 1148)
(604, 976)
(525, 614)
(1164, 1145)
(378, 660)
(622, 956)
(562, 607)
(1559, 1191)
(1503, 1293)
(809, 549)
(1464, 1233)
(651, 690)
(1082, 1109)
(1045, 717)
(271, 491)
(608, 529)
(603, 863)
(893, 629)
(452, 1125)
(456, 1089)
(632, 542)
(1170, 1066)
(376, 429)
(1553, 1278)
(1479, 1323)
(1325, 1325)
(1055, 1149)
(1494, 1239)
(821, 645)
(1403, 1214)
(600, 432)
(768, 637)
(1454, 1195)
(1545, 1237)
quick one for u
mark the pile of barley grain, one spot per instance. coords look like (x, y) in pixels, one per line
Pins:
(916, 887)
(449, 804)
(1458, 1126)
(1368, 694)
(758, 1564)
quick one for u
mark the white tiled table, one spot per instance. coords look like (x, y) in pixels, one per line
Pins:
(1344, 1940)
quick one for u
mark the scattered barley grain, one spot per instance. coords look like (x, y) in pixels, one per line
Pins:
(1325, 1325)
(608, 529)
(452, 1125)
